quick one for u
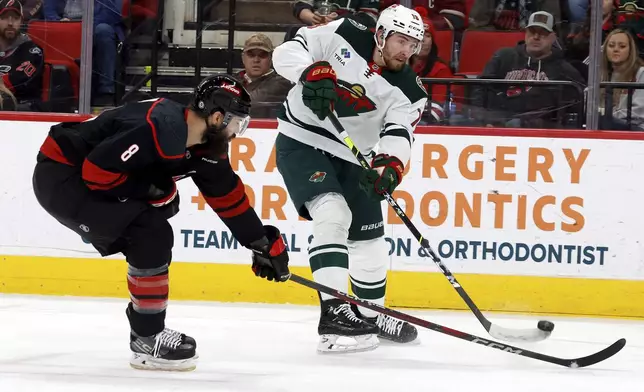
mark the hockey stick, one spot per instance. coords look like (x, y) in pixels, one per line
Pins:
(571, 363)
(544, 328)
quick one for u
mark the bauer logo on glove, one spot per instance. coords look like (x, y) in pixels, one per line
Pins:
(319, 83)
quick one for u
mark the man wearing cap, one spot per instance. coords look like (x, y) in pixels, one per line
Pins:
(535, 59)
(261, 81)
(21, 60)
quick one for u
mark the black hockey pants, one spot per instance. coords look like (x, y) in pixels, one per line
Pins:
(133, 227)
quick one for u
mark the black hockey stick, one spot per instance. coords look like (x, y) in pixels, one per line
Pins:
(571, 363)
(544, 328)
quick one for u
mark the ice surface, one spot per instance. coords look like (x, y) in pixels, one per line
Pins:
(51, 344)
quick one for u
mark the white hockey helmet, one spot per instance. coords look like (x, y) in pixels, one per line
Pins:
(399, 19)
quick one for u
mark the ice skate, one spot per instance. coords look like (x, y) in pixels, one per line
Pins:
(168, 350)
(391, 329)
(342, 331)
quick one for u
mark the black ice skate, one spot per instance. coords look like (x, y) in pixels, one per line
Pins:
(391, 329)
(168, 350)
(394, 330)
(339, 322)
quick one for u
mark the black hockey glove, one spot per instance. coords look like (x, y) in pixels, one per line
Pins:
(165, 197)
(158, 197)
(270, 259)
(385, 175)
(318, 88)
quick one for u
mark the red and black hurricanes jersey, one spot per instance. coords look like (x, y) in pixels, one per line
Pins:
(123, 151)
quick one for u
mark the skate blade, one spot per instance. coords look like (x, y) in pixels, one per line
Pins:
(148, 362)
(389, 342)
(329, 344)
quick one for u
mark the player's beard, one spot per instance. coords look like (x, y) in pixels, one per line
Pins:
(393, 63)
(217, 140)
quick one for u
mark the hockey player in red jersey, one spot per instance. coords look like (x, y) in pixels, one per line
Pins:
(112, 181)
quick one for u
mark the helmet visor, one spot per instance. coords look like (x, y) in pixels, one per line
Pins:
(236, 124)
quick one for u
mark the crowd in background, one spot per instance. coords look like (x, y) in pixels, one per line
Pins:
(554, 46)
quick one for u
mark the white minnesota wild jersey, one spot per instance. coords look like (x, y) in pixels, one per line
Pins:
(377, 107)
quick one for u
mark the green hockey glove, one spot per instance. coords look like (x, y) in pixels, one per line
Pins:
(385, 175)
(318, 88)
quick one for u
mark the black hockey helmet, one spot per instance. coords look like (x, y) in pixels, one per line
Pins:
(223, 93)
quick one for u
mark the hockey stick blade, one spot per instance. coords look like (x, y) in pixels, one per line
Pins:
(518, 335)
(507, 334)
(571, 363)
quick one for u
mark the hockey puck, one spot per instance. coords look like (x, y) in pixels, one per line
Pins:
(546, 326)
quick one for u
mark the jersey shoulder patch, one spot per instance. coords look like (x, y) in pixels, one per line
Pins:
(408, 82)
(358, 36)
(169, 128)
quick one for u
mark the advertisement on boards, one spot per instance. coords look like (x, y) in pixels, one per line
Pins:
(487, 204)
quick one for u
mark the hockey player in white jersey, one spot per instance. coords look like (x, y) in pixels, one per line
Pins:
(364, 78)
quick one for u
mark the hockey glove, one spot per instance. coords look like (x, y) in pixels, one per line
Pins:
(318, 88)
(385, 175)
(270, 259)
(165, 197)
(159, 197)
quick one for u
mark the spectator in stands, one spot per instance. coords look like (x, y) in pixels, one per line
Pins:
(629, 15)
(577, 43)
(577, 10)
(108, 32)
(509, 14)
(262, 82)
(427, 65)
(63, 10)
(7, 100)
(536, 59)
(444, 14)
(617, 14)
(31, 9)
(621, 63)
(312, 12)
(21, 60)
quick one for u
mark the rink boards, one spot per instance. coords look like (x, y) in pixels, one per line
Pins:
(527, 220)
